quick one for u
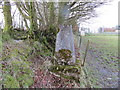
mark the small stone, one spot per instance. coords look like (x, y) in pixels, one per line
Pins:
(109, 78)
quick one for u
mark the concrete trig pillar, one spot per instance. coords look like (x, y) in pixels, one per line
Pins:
(65, 40)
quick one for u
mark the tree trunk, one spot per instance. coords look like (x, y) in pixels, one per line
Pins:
(33, 19)
(7, 16)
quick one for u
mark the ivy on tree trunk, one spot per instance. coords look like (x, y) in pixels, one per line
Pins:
(7, 16)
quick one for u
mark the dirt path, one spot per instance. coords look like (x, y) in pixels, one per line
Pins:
(100, 73)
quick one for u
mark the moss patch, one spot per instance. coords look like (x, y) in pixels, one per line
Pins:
(67, 71)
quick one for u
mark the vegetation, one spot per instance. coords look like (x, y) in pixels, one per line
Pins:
(0, 42)
(103, 49)
(7, 16)
(108, 45)
(16, 67)
(28, 47)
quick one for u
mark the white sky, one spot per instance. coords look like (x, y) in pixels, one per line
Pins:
(107, 16)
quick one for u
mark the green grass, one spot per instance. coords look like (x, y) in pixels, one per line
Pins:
(107, 45)
(104, 49)
(0, 42)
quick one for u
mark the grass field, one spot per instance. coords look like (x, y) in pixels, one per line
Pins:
(102, 60)
(107, 45)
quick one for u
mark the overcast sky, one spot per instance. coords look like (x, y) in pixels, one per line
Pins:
(107, 16)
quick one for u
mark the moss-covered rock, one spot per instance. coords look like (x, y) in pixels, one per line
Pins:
(63, 56)
(67, 71)
(19, 34)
